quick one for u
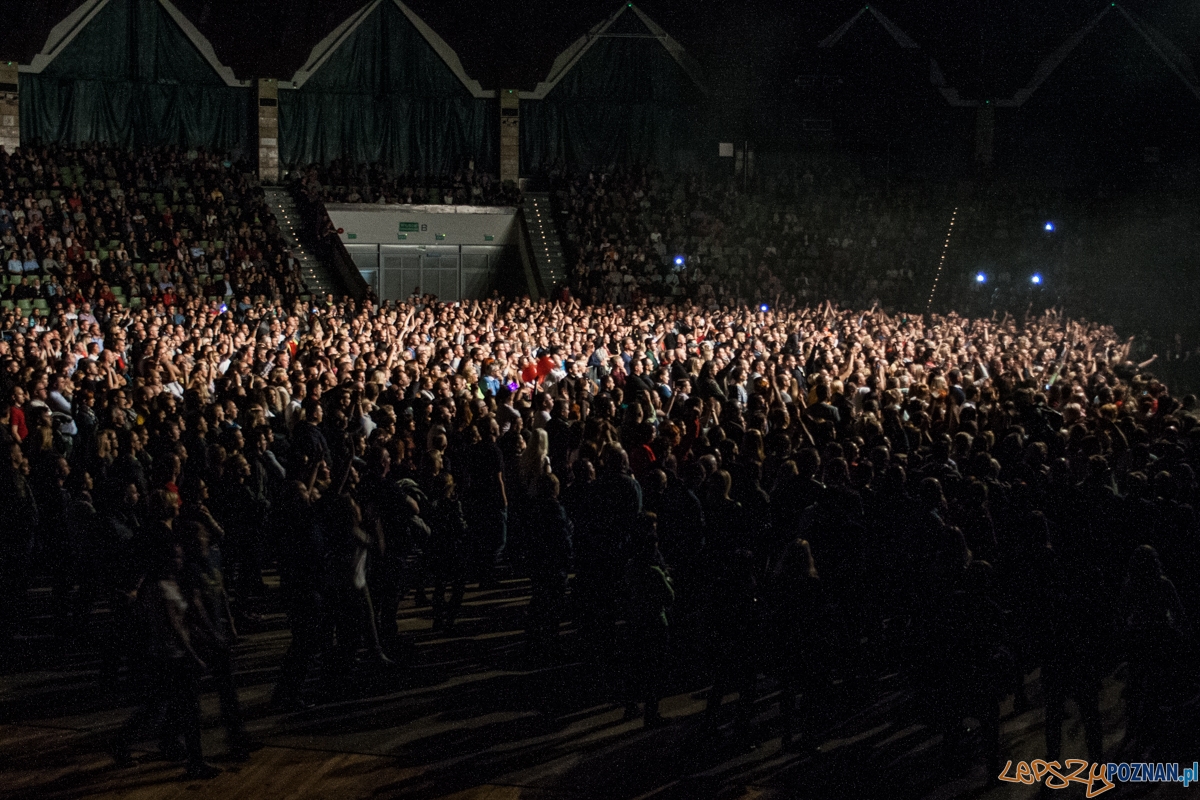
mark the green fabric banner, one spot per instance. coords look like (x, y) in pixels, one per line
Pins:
(387, 96)
(132, 77)
(625, 101)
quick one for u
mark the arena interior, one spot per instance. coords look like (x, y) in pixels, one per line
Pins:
(485, 400)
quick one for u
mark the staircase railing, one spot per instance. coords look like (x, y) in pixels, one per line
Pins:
(533, 275)
(328, 246)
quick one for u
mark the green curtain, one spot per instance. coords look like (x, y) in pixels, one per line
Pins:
(626, 101)
(132, 77)
(387, 96)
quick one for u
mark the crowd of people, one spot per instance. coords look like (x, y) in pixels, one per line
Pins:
(84, 224)
(750, 466)
(343, 182)
(813, 231)
(809, 494)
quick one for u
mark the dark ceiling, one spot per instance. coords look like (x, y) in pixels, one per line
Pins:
(985, 48)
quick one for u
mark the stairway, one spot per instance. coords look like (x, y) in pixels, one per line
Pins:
(314, 274)
(548, 261)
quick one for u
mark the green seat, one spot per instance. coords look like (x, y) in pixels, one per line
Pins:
(117, 291)
(307, 298)
(41, 305)
(217, 278)
(102, 253)
(25, 304)
(122, 301)
(114, 244)
(135, 303)
(204, 244)
(140, 269)
(7, 305)
(219, 245)
(55, 194)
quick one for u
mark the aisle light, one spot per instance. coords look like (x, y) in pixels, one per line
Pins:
(942, 261)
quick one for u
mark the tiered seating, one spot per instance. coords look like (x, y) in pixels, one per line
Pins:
(95, 224)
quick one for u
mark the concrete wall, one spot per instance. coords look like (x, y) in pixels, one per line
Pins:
(454, 252)
(510, 135)
(363, 223)
(268, 131)
(10, 107)
(452, 272)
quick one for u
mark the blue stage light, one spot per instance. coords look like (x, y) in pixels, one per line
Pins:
(981, 277)
(1050, 227)
(1035, 279)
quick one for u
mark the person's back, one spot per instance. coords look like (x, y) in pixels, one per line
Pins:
(834, 527)
(1148, 610)
(307, 439)
(559, 430)
(650, 594)
(1078, 654)
(484, 464)
(734, 616)
(615, 501)
(447, 530)
(549, 545)
(680, 523)
(968, 668)
(301, 544)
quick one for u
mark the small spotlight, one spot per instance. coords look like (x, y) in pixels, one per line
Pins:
(679, 261)
(981, 277)
(764, 308)
(1049, 226)
(1036, 279)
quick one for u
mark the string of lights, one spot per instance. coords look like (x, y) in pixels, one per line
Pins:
(942, 262)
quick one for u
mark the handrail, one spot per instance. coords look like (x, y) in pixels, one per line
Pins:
(533, 276)
(328, 246)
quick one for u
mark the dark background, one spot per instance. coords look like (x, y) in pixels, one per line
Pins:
(985, 48)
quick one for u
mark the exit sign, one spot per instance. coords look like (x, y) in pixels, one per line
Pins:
(410, 227)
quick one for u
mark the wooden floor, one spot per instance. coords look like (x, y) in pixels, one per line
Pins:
(473, 719)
